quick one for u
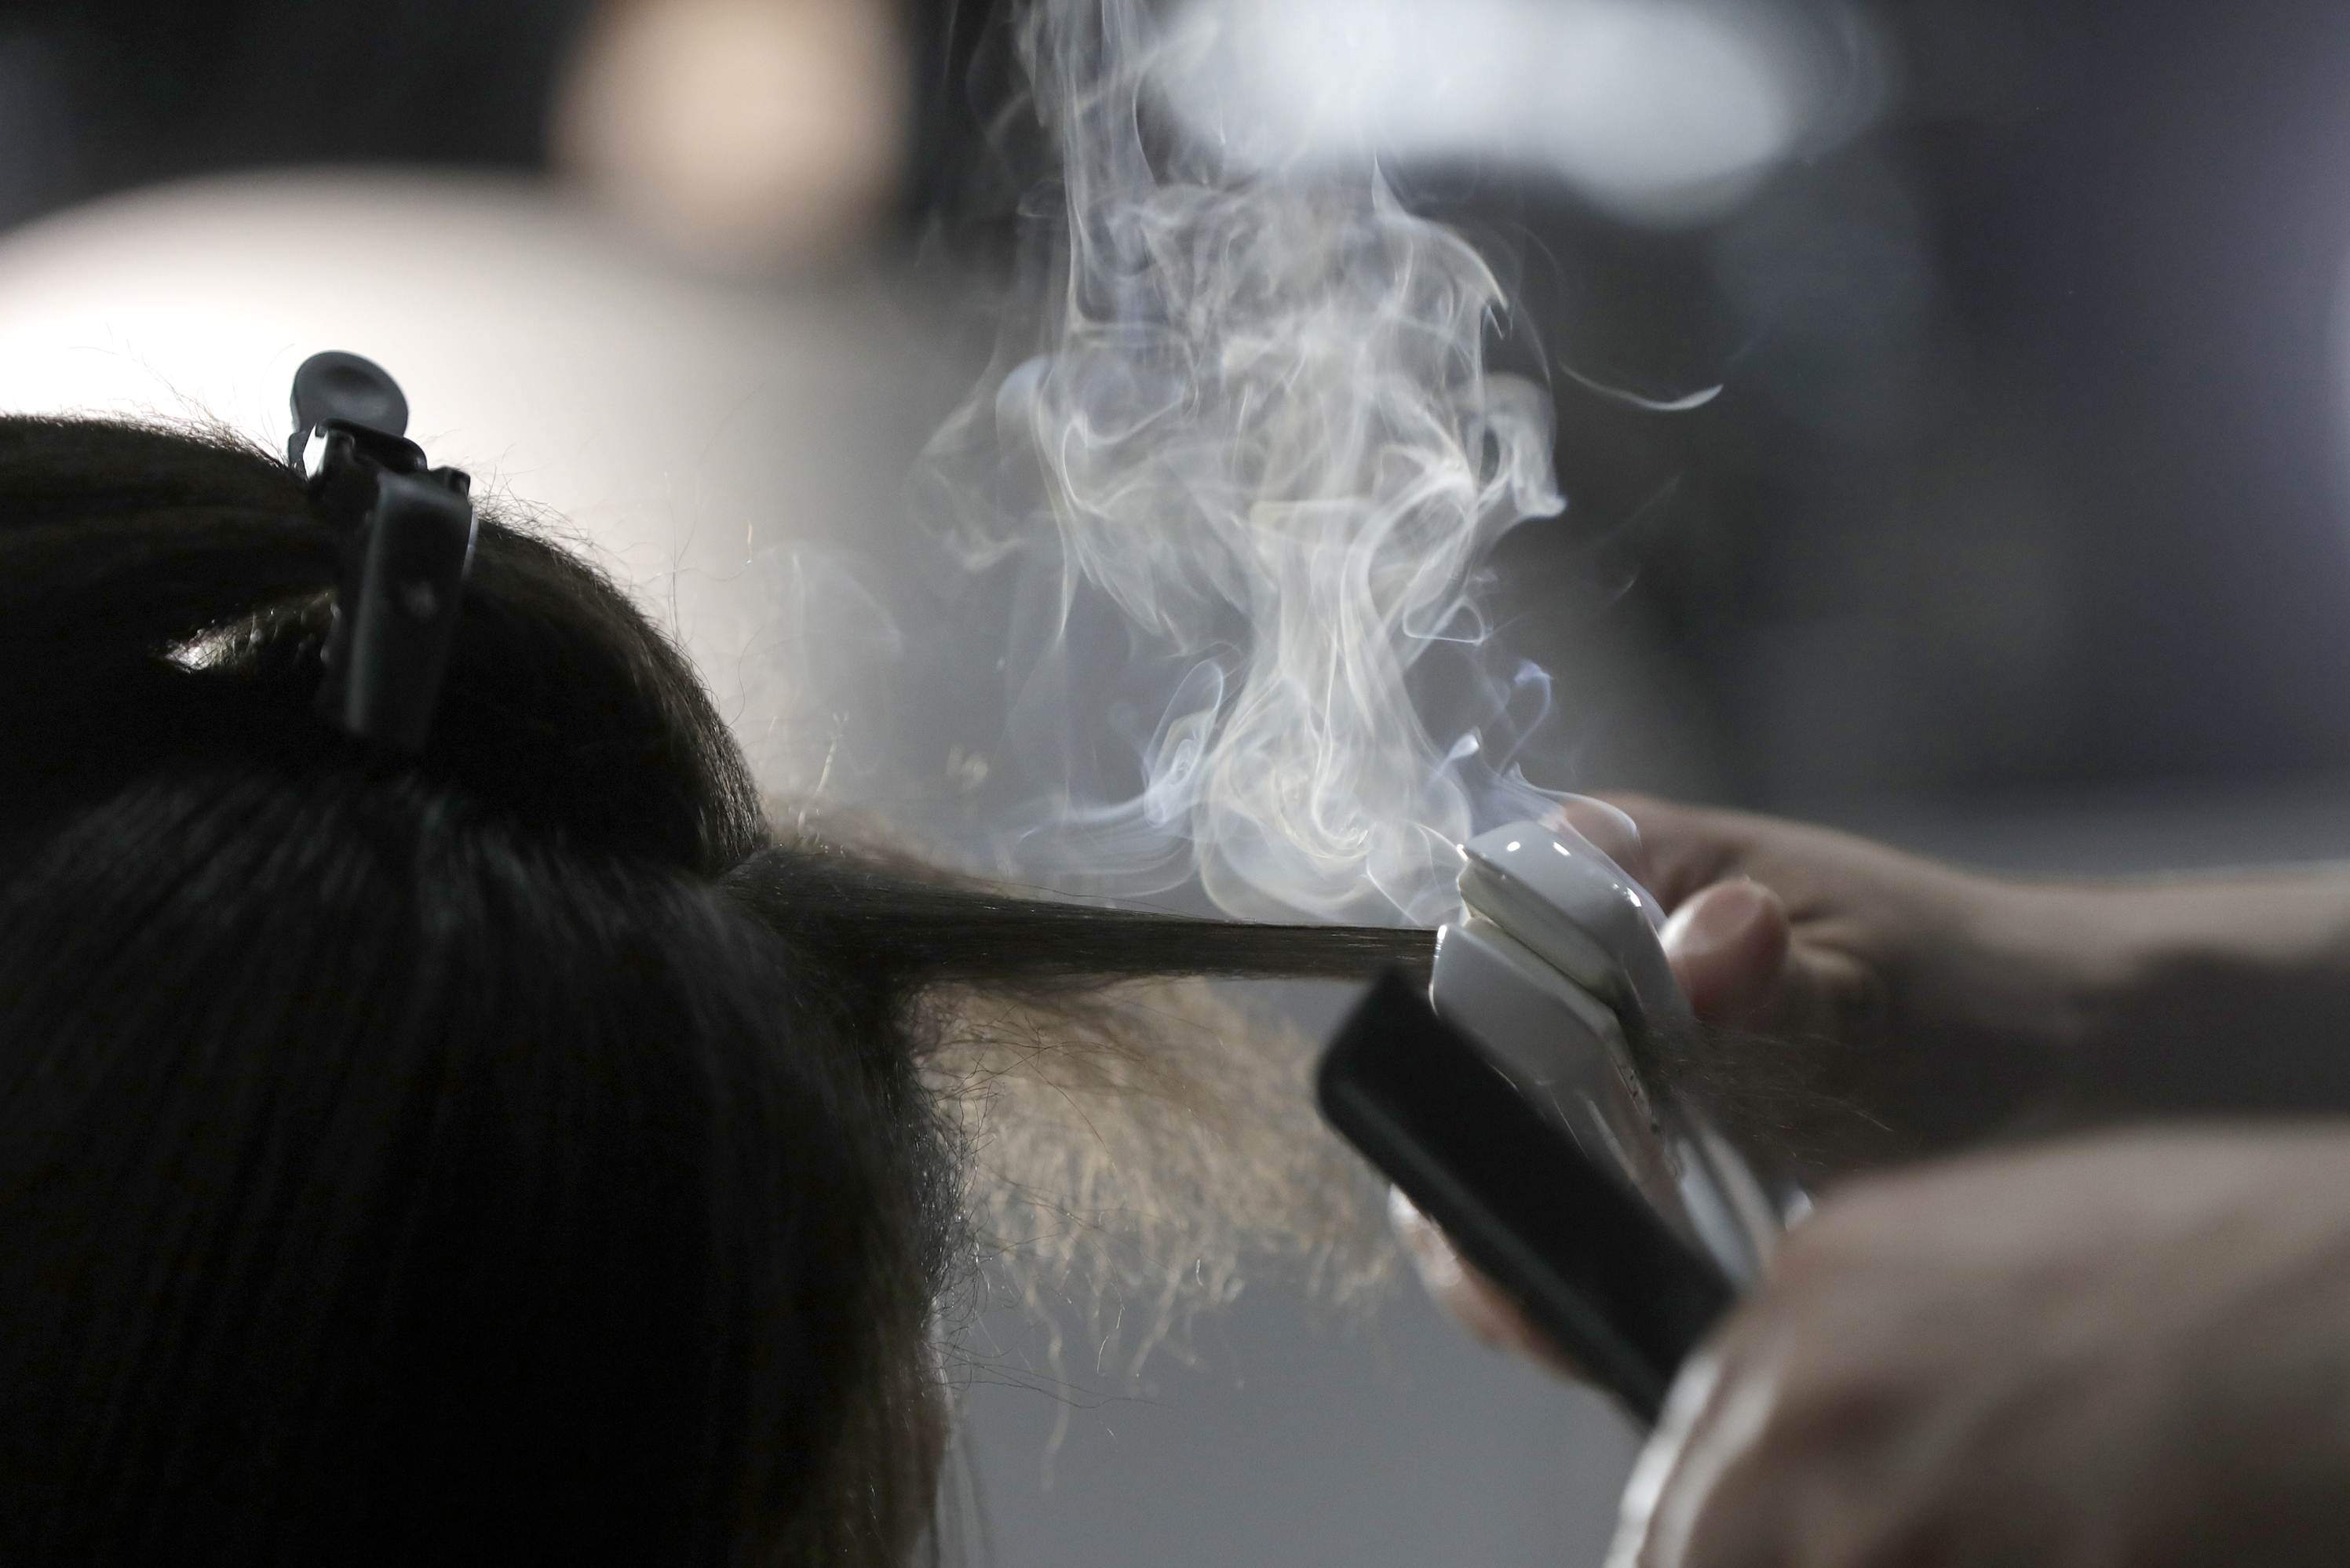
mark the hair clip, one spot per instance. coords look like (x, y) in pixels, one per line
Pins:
(408, 547)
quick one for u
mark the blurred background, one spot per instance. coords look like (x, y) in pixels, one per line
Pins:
(1950, 397)
(2025, 471)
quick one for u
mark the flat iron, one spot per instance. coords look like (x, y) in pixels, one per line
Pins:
(1509, 1106)
(1555, 973)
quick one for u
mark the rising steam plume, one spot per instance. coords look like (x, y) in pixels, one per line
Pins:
(1247, 466)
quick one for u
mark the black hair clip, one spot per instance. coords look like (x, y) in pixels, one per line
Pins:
(409, 546)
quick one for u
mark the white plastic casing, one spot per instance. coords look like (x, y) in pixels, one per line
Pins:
(1557, 975)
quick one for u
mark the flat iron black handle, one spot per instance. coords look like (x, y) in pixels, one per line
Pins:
(1588, 1262)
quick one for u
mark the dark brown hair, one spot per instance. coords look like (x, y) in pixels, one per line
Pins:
(507, 1154)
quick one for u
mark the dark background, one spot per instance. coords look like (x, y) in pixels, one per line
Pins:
(2027, 470)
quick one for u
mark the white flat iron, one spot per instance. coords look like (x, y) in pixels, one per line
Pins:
(1555, 975)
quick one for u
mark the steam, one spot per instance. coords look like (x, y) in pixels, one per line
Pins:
(1247, 481)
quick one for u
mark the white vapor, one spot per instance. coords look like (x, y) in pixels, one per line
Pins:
(1249, 477)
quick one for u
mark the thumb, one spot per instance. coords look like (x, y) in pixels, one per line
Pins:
(1727, 947)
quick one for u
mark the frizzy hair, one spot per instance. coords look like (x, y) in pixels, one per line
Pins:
(511, 1152)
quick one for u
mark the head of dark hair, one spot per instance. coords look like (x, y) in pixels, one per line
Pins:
(507, 1153)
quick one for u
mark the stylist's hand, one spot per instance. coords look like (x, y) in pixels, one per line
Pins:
(2127, 1351)
(1930, 1001)
(1912, 1004)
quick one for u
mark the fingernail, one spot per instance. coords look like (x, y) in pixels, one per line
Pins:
(1718, 916)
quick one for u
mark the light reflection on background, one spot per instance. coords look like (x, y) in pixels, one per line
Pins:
(1671, 112)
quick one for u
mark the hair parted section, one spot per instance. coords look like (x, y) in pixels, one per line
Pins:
(514, 1145)
(563, 704)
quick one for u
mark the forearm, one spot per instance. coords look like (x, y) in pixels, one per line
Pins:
(2210, 993)
(1938, 1005)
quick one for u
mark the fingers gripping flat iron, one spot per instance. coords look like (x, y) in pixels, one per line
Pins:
(1513, 1112)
